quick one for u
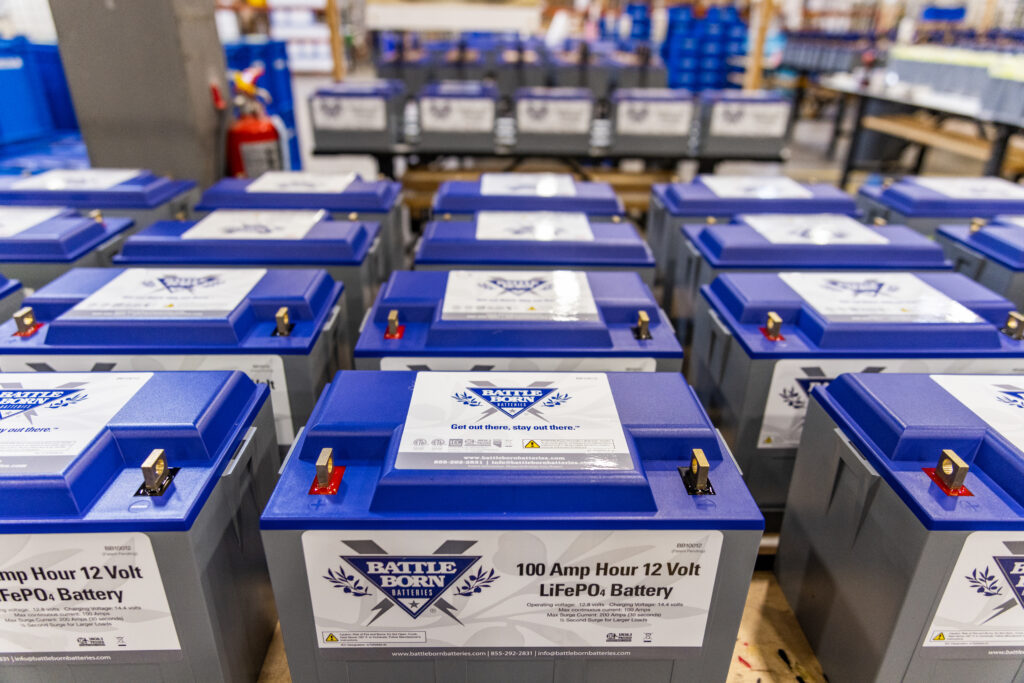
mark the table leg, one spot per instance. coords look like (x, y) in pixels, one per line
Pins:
(837, 127)
(994, 165)
(858, 128)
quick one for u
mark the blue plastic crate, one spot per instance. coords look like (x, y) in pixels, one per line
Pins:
(55, 86)
(25, 114)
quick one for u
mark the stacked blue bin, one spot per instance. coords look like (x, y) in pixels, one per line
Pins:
(697, 50)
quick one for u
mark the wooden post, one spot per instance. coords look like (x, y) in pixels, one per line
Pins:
(334, 24)
(755, 39)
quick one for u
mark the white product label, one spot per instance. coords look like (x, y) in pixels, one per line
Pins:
(512, 421)
(749, 119)
(254, 225)
(527, 185)
(47, 420)
(150, 293)
(530, 591)
(996, 399)
(16, 219)
(811, 228)
(80, 179)
(754, 187)
(260, 157)
(792, 381)
(457, 114)
(983, 602)
(518, 364)
(534, 226)
(349, 113)
(81, 593)
(973, 188)
(877, 297)
(640, 117)
(543, 295)
(264, 369)
(1012, 220)
(554, 116)
(295, 182)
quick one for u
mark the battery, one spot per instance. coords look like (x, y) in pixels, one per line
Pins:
(992, 253)
(39, 243)
(129, 517)
(553, 120)
(638, 69)
(457, 116)
(534, 240)
(517, 320)
(348, 250)
(459, 200)
(521, 556)
(118, 192)
(787, 242)
(346, 196)
(651, 121)
(582, 68)
(925, 203)
(458, 61)
(358, 115)
(748, 124)
(902, 549)
(519, 66)
(280, 327)
(762, 340)
(718, 198)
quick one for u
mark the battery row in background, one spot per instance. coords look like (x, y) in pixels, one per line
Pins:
(554, 461)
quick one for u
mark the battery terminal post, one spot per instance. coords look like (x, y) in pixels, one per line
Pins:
(1014, 326)
(950, 473)
(25, 320)
(772, 329)
(695, 477)
(156, 475)
(283, 324)
(643, 326)
(395, 330)
(977, 224)
(328, 476)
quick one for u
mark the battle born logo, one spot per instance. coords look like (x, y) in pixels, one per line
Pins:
(517, 286)
(798, 396)
(1010, 395)
(412, 582)
(637, 112)
(17, 401)
(869, 288)
(177, 283)
(252, 229)
(512, 401)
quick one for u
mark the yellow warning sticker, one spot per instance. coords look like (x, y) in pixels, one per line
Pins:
(939, 636)
(531, 444)
(331, 638)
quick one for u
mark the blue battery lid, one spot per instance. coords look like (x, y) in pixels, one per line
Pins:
(743, 96)
(969, 197)
(651, 95)
(302, 190)
(173, 309)
(643, 427)
(526, 192)
(1003, 244)
(474, 89)
(864, 314)
(534, 238)
(73, 443)
(8, 286)
(813, 241)
(53, 234)
(560, 93)
(516, 313)
(228, 237)
(92, 188)
(903, 423)
(381, 87)
(717, 195)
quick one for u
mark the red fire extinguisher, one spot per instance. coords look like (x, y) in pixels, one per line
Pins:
(254, 141)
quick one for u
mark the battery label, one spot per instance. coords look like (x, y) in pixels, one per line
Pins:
(793, 379)
(641, 117)
(457, 114)
(553, 295)
(570, 117)
(754, 187)
(349, 113)
(46, 423)
(511, 593)
(255, 225)
(973, 188)
(527, 184)
(877, 297)
(996, 399)
(539, 226)
(811, 228)
(265, 369)
(982, 605)
(512, 421)
(519, 364)
(299, 182)
(78, 179)
(156, 293)
(749, 119)
(16, 219)
(82, 594)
